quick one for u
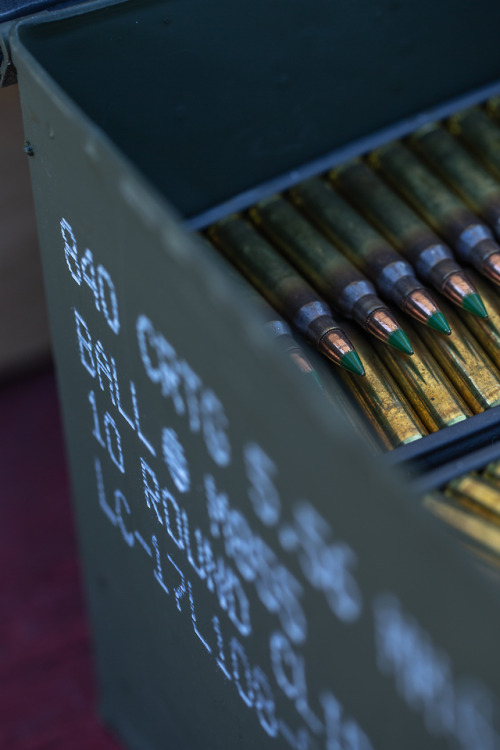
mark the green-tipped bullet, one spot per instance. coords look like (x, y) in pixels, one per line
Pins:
(352, 362)
(404, 228)
(284, 288)
(474, 304)
(399, 340)
(439, 323)
(321, 263)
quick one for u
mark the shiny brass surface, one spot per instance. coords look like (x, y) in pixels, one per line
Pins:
(382, 402)
(393, 276)
(465, 363)
(472, 527)
(477, 494)
(322, 264)
(487, 331)
(283, 287)
(403, 227)
(425, 385)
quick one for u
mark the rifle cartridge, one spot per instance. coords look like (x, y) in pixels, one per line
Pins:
(365, 247)
(461, 171)
(466, 364)
(447, 214)
(432, 259)
(425, 385)
(284, 289)
(380, 399)
(327, 269)
(481, 134)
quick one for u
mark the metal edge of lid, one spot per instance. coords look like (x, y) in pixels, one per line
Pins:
(397, 130)
(46, 12)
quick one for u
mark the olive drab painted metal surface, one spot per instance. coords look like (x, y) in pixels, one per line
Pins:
(255, 578)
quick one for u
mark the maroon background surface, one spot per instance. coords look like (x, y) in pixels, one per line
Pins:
(47, 690)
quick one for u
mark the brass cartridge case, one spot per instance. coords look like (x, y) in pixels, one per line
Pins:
(493, 107)
(492, 472)
(481, 134)
(463, 518)
(284, 288)
(382, 402)
(276, 279)
(461, 171)
(486, 331)
(446, 213)
(273, 323)
(318, 260)
(358, 240)
(465, 363)
(337, 392)
(406, 230)
(476, 493)
(425, 385)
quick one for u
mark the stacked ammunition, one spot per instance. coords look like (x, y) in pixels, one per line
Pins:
(372, 264)
(470, 507)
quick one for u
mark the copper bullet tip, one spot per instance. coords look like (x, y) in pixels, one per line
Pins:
(336, 346)
(382, 324)
(463, 293)
(420, 305)
(491, 267)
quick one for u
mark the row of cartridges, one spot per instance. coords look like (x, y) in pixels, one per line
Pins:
(469, 506)
(373, 234)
